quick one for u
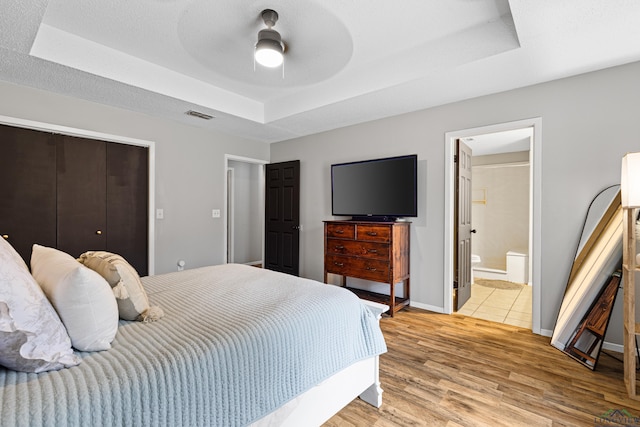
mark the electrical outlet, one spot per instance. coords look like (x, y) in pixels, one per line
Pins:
(215, 213)
(159, 213)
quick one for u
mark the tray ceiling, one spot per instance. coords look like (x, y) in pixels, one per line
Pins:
(346, 62)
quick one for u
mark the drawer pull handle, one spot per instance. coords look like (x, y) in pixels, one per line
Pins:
(339, 264)
(372, 233)
(340, 231)
(371, 268)
(339, 247)
(372, 251)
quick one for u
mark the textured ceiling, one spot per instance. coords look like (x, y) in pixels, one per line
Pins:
(346, 62)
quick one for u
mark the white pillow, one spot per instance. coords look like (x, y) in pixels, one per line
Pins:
(32, 337)
(133, 303)
(82, 298)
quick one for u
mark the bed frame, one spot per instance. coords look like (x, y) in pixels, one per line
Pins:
(362, 379)
(320, 403)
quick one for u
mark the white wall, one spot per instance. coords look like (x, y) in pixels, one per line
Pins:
(588, 123)
(190, 168)
(500, 212)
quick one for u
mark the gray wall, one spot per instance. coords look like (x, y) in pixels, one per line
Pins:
(190, 171)
(247, 216)
(588, 123)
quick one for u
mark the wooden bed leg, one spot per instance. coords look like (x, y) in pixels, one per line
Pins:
(373, 394)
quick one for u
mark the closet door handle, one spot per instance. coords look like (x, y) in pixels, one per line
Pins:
(99, 232)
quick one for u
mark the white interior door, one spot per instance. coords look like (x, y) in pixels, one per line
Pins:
(463, 229)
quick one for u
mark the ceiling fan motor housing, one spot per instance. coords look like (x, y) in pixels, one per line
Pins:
(270, 17)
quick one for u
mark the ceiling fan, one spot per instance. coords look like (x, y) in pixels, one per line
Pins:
(269, 50)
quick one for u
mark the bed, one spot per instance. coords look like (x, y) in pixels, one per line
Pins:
(237, 346)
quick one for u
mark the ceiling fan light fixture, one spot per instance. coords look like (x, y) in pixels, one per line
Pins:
(269, 51)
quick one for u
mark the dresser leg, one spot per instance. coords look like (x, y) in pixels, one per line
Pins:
(392, 299)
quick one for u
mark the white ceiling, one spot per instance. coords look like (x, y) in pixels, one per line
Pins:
(346, 62)
(500, 142)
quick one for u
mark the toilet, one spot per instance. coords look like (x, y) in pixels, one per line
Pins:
(475, 260)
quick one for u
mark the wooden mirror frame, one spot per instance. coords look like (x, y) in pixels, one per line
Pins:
(598, 256)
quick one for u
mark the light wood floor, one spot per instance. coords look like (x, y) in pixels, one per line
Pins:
(444, 370)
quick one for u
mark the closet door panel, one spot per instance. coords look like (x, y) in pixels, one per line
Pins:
(27, 188)
(127, 203)
(81, 202)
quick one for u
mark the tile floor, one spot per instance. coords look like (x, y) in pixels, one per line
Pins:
(512, 307)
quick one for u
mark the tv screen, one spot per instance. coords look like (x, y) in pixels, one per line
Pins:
(377, 189)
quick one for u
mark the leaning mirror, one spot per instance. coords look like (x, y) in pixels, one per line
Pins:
(593, 281)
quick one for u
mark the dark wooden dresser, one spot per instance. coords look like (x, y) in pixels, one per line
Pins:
(375, 251)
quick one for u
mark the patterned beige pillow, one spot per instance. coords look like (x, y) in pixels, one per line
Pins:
(32, 337)
(131, 297)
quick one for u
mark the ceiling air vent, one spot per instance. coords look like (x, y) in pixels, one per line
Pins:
(199, 115)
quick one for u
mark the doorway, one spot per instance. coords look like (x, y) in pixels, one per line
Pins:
(500, 218)
(534, 202)
(243, 210)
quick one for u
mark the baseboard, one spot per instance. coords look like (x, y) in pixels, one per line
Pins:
(428, 307)
(613, 347)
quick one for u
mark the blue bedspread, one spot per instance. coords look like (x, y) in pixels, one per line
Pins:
(236, 342)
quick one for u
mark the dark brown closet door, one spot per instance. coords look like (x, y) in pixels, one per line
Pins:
(127, 203)
(81, 204)
(27, 188)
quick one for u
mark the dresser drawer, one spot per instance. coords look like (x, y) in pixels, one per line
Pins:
(369, 269)
(340, 230)
(373, 232)
(372, 250)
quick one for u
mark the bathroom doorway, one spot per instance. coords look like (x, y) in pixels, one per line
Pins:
(500, 289)
(504, 152)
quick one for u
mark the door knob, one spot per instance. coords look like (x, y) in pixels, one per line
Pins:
(6, 236)
(473, 231)
(296, 227)
(99, 232)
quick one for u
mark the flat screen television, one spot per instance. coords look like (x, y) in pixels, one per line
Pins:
(376, 190)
